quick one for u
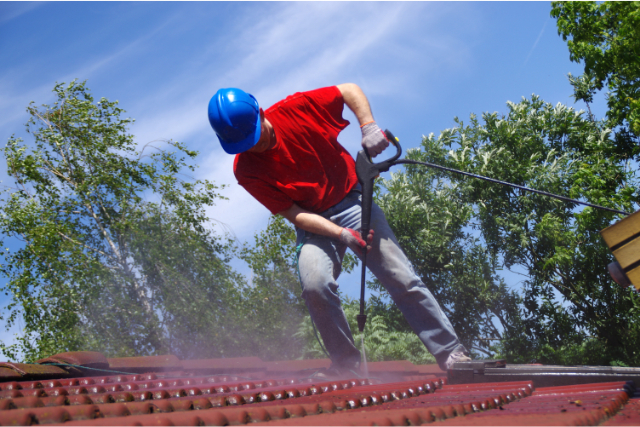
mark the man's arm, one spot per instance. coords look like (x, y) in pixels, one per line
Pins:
(373, 139)
(311, 222)
(356, 101)
(317, 224)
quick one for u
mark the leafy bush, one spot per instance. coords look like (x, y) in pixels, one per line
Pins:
(381, 343)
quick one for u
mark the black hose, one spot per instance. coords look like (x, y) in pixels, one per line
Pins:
(508, 184)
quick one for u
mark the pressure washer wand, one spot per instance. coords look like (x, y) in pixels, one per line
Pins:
(367, 171)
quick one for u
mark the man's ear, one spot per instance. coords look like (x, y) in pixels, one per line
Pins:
(261, 114)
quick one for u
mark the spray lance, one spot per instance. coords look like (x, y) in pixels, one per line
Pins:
(367, 171)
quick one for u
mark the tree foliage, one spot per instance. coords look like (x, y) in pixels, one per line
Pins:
(274, 296)
(113, 252)
(605, 36)
(569, 301)
(382, 341)
(430, 218)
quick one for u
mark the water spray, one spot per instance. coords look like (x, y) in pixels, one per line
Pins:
(365, 367)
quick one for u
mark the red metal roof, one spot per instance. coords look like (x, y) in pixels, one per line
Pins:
(166, 391)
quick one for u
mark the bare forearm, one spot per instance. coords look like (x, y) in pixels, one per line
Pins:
(311, 222)
(356, 101)
(374, 140)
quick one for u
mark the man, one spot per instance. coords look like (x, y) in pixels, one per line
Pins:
(288, 158)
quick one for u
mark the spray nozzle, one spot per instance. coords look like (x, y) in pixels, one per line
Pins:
(362, 320)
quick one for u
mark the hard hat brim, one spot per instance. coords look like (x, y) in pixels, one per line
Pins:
(245, 144)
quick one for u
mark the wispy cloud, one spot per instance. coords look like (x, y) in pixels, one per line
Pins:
(15, 98)
(271, 50)
(12, 10)
(295, 49)
(535, 43)
(296, 46)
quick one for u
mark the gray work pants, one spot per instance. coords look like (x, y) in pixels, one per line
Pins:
(320, 264)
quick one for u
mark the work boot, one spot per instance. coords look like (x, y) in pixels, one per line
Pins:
(456, 356)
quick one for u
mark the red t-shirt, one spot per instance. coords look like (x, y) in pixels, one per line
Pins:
(307, 166)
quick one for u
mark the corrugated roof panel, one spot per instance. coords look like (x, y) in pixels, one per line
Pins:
(26, 369)
(333, 391)
(8, 374)
(168, 362)
(246, 390)
(91, 359)
(628, 416)
(220, 365)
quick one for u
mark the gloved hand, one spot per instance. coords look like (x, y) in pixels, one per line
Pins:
(354, 241)
(374, 139)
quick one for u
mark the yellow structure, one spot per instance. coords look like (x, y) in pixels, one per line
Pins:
(623, 238)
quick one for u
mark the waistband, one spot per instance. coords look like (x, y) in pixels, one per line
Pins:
(341, 205)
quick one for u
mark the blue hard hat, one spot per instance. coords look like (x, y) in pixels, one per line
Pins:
(235, 117)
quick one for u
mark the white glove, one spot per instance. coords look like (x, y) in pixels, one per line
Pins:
(373, 139)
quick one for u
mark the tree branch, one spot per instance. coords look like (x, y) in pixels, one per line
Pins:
(84, 246)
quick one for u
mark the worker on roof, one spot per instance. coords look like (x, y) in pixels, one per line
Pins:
(289, 158)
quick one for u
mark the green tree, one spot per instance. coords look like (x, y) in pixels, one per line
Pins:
(571, 307)
(114, 254)
(275, 310)
(605, 36)
(382, 341)
(430, 217)
(273, 304)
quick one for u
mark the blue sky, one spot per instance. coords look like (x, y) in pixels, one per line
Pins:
(420, 64)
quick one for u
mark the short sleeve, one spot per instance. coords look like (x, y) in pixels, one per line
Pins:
(328, 101)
